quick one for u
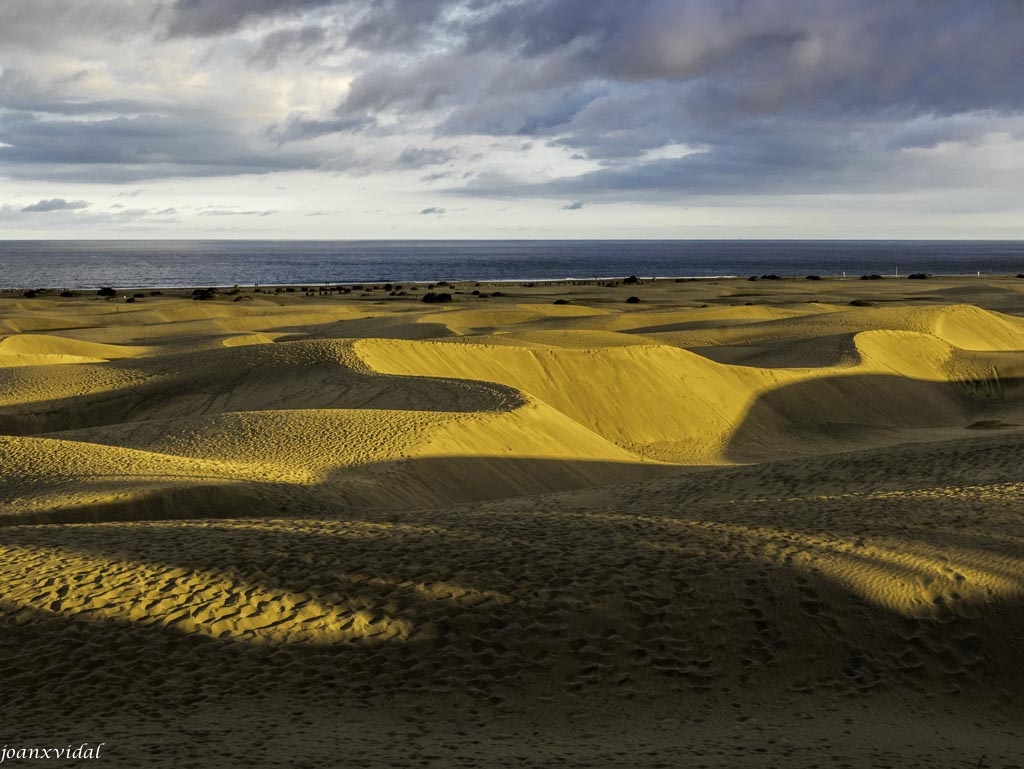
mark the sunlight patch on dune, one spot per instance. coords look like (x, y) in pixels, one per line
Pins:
(219, 605)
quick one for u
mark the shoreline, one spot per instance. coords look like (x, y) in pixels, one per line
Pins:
(597, 281)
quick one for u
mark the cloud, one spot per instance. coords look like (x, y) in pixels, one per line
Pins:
(433, 210)
(287, 42)
(203, 18)
(33, 24)
(421, 157)
(147, 146)
(56, 204)
(579, 100)
(738, 82)
(576, 205)
(229, 212)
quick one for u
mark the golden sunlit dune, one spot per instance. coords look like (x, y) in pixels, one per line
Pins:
(721, 527)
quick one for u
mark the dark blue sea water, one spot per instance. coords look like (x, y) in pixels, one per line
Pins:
(168, 263)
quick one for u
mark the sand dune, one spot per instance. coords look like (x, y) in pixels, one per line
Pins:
(511, 533)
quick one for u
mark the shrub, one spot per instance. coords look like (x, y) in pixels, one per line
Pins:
(129, 300)
(917, 276)
(389, 287)
(138, 296)
(813, 277)
(753, 277)
(433, 298)
(161, 293)
(497, 293)
(1020, 274)
(68, 294)
(633, 300)
(870, 277)
(632, 280)
(773, 276)
(203, 294)
(861, 303)
(106, 291)
(562, 301)
(476, 292)
(30, 294)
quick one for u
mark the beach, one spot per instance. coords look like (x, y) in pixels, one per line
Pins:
(732, 523)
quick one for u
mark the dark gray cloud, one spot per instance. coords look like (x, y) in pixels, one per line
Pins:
(124, 149)
(576, 205)
(55, 204)
(391, 24)
(213, 17)
(381, 24)
(421, 157)
(287, 42)
(41, 23)
(750, 158)
(746, 80)
(432, 211)
(301, 128)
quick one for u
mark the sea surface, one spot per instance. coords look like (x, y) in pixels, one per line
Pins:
(170, 263)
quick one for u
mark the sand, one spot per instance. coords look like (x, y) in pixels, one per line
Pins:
(737, 524)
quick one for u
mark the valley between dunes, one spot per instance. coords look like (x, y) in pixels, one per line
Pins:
(735, 524)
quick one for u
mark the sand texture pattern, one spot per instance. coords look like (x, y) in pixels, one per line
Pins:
(734, 525)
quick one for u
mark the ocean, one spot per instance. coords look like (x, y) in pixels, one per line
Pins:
(85, 264)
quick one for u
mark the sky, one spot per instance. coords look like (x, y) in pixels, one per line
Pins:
(351, 119)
